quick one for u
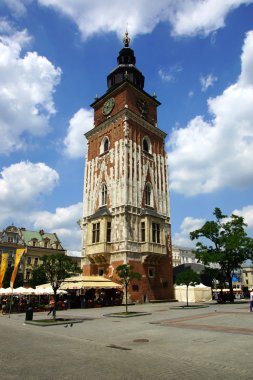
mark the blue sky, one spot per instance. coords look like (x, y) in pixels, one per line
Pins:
(196, 55)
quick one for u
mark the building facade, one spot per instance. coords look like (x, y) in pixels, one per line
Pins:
(182, 255)
(36, 245)
(126, 214)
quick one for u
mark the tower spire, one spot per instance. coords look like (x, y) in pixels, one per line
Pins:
(126, 39)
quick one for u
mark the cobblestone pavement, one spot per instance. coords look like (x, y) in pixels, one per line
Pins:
(171, 343)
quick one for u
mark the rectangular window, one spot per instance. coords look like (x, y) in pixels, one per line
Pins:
(143, 231)
(155, 233)
(151, 272)
(95, 232)
(29, 260)
(36, 260)
(100, 271)
(109, 230)
(135, 288)
(10, 239)
(27, 277)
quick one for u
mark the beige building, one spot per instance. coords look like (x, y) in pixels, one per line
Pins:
(247, 277)
(182, 255)
(36, 245)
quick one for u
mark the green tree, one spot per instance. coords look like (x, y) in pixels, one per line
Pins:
(230, 246)
(126, 275)
(189, 278)
(57, 267)
(38, 276)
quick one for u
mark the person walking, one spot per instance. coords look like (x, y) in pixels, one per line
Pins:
(51, 306)
(251, 301)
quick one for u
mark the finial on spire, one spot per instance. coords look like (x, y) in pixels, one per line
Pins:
(126, 39)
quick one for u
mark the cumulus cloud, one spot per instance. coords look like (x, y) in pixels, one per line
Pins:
(17, 7)
(21, 187)
(207, 81)
(186, 17)
(75, 142)
(189, 224)
(247, 213)
(27, 84)
(63, 222)
(209, 155)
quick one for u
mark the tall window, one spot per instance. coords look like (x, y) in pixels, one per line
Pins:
(148, 193)
(143, 231)
(10, 239)
(95, 232)
(104, 195)
(109, 230)
(27, 277)
(146, 145)
(106, 144)
(29, 260)
(36, 261)
(155, 233)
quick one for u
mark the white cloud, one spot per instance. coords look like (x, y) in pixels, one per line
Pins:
(247, 213)
(21, 186)
(207, 81)
(75, 142)
(63, 222)
(187, 17)
(27, 84)
(206, 156)
(17, 7)
(189, 224)
(170, 74)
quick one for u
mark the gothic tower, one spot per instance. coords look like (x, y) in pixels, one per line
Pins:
(126, 211)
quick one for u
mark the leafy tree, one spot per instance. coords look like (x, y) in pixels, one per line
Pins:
(187, 277)
(57, 267)
(230, 246)
(7, 278)
(126, 274)
(38, 276)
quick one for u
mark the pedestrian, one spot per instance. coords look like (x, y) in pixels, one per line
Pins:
(4, 305)
(251, 301)
(51, 306)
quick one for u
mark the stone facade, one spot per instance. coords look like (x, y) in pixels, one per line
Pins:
(126, 214)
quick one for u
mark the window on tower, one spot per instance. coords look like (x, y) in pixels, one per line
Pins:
(142, 231)
(155, 233)
(104, 146)
(146, 145)
(104, 195)
(148, 194)
(95, 232)
(108, 232)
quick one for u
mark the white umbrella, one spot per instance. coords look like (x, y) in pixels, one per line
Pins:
(24, 291)
(6, 291)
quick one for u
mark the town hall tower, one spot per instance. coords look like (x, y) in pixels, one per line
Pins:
(126, 211)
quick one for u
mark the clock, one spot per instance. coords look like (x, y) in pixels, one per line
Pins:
(108, 106)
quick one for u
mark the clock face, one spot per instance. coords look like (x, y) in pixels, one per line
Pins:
(108, 106)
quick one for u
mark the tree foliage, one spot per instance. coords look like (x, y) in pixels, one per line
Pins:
(126, 275)
(189, 278)
(57, 267)
(223, 242)
(38, 276)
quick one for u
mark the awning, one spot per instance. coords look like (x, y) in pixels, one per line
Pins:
(88, 282)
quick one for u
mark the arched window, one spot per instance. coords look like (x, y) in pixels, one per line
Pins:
(148, 195)
(146, 145)
(104, 195)
(104, 146)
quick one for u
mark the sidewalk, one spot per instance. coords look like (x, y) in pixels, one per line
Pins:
(213, 342)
